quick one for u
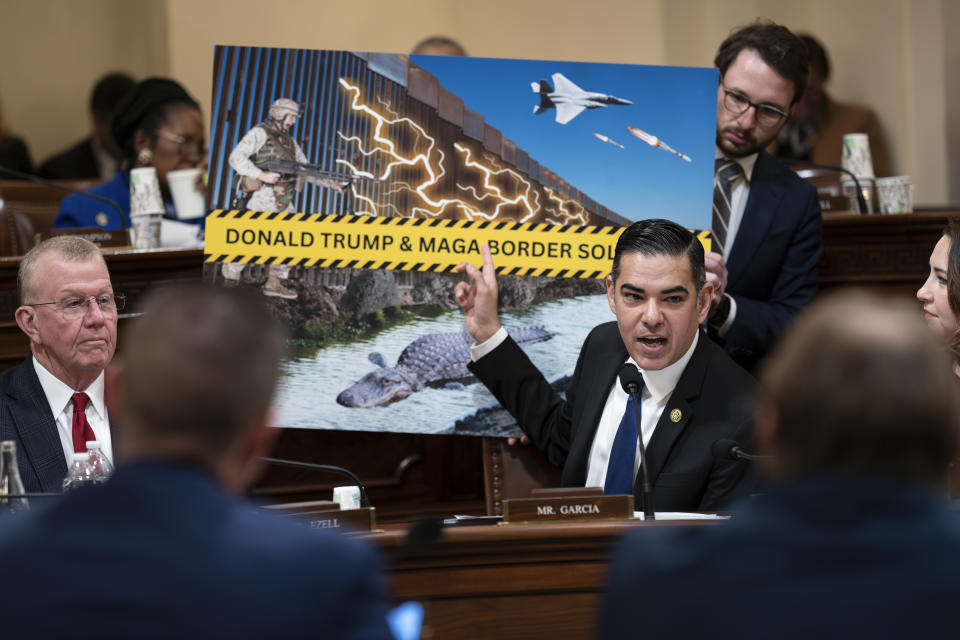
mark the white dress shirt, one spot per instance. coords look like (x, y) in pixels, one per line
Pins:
(657, 388)
(60, 397)
(739, 192)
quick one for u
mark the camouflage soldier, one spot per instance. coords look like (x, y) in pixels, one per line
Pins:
(261, 190)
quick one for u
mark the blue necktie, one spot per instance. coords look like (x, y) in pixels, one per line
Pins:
(619, 479)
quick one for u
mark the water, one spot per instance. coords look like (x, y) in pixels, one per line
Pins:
(307, 393)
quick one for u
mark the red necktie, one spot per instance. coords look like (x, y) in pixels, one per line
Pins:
(82, 432)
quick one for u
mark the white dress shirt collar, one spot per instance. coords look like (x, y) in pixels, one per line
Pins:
(59, 394)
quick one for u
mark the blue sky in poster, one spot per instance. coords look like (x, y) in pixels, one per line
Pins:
(676, 104)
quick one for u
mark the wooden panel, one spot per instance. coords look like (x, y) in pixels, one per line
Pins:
(523, 581)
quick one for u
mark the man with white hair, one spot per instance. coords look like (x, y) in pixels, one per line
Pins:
(267, 190)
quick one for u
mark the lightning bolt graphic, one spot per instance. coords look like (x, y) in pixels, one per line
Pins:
(500, 192)
(565, 216)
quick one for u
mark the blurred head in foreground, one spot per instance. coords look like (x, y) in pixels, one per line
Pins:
(196, 381)
(859, 388)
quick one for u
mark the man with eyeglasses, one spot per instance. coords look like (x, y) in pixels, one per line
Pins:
(52, 404)
(767, 231)
(260, 190)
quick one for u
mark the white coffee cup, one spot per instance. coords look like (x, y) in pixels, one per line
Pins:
(145, 195)
(895, 194)
(183, 188)
(856, 156)
(347, 497)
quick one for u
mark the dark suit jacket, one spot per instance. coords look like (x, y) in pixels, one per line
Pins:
(77, 162)
(714, 397)
(772, 270)
(815, 559)
(25, 418)
(159, 551)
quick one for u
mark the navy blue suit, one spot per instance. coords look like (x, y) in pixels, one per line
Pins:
(813, 559)
(160, 551)
(25, 418)
(772, 270)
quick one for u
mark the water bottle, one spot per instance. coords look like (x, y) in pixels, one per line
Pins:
(81, 473)
(10, 482)
(102, 469)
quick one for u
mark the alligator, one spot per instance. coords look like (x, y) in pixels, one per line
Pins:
(436, 360)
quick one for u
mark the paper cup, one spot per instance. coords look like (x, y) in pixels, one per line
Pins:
(186, 199)
(145, 195)
(145, 230)
(856, 155)
(347, 497)
(895, 194)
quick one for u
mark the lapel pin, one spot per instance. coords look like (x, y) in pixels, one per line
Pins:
(675, 415)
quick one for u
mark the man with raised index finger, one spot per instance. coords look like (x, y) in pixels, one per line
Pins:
(693, 393)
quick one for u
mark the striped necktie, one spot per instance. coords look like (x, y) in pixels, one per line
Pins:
(727, 171)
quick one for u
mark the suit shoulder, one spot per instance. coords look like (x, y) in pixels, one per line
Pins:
(774, 169)
(723, 368)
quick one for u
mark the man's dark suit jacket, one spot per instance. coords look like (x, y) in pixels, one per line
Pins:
(814, 559)
(77, 162)
(25, 418)
(159, 551)
(713, 395)
(772, 270)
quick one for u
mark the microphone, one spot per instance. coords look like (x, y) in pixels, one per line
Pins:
(731, 450)
(364, 499)
(631, 381)
(81, 192)
(861, 202)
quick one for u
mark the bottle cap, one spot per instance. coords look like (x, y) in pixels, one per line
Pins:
(93, 444)
(83, 456)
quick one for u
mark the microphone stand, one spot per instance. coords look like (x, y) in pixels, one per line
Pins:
(646, 490)
(364, 499)
(50, 183)
(861, 201)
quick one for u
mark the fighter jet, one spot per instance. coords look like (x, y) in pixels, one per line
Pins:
(569, 99)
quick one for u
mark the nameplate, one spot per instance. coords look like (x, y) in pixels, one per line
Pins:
(323, 514)
(350, 519)
(100, 237)
(567, 509)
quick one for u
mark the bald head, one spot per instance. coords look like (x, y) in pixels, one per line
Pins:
(859, 387)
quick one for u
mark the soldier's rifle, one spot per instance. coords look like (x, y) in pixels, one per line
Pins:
(290, 168)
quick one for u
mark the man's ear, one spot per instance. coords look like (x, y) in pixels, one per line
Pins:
(26, 318)
(704, 299)
(611, 294)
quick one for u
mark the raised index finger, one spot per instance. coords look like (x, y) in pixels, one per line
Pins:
(489, 271)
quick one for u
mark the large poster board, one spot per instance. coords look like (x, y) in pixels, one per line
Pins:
(385, 171)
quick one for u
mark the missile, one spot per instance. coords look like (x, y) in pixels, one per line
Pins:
(654, 141)
(600, 136)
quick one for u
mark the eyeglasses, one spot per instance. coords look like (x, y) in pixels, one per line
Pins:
(188, 147)
(737, 104)
(76, 306)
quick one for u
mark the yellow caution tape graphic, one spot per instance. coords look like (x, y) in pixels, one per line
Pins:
(410, 244)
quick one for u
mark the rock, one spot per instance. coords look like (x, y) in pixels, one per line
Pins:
(369, 291)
